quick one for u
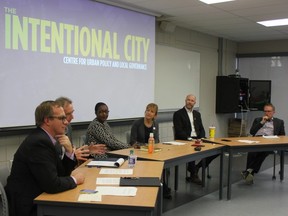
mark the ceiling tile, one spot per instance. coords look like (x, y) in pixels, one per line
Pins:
(234, 20)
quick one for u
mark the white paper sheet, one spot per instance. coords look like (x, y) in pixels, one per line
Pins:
(117, 191)
(108, 181)
(116, 171)
(270, 137)
(90, 197)
(104, 163)
(248, 141)
(174, 143)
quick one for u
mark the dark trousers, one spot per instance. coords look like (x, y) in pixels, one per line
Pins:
(21, 204)
(255, 160)
(193, 168)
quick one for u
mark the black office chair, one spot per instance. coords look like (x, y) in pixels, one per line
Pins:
(4, 172)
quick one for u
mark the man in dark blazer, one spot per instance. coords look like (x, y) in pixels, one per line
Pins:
(188, 124)
(267, 126)
(83, 152)
(37, 166)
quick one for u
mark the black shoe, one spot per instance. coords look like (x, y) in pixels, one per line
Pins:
(167, 193)
(167, 196)
(248, 176)
(194, 179)
(166, 189)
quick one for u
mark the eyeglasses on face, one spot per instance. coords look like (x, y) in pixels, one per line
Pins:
(70, 113)
(268, 110)
(61, 118)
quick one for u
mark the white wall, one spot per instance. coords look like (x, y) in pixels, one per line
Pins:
(262, 68)
(262, 47)
(279, 98)
(207, 46)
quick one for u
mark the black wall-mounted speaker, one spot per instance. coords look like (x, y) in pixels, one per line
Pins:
(231, 94)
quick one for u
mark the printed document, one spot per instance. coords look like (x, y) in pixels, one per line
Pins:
(108, 171)
(117, 191)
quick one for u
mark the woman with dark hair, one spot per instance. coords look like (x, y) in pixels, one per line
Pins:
(100, 132)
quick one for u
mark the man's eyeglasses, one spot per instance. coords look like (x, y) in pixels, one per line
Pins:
(61, 118)
(268, 110)
(70, 113)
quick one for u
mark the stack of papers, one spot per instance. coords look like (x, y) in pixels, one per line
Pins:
(248, 141)
(117, 191)
(87, 195)
(270, 137)
(174, 143)
(108, 181)
(90, 197)
(116, 171)
(140, 181)
(106, 163)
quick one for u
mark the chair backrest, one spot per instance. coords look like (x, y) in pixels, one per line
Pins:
(128, 136)
(83, 140)
(5, 211)
(4, 172)
(173, 129)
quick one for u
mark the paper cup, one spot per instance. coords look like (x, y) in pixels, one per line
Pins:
(212, 132)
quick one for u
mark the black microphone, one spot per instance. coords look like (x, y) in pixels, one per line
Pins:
(153, 126)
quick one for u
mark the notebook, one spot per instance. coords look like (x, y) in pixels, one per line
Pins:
(140, 181)
(108, 162)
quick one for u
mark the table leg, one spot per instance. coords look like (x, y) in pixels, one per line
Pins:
(203, 171)
(221, 176)
(229, 183)
(159, 208)
(176, 178)
(281, 165)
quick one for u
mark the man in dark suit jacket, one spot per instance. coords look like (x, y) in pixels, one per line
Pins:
(37, 166)
(188, 124)
(83, 152)
(267, 126)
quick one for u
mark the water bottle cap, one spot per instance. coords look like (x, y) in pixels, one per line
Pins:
(151, 135)
(131, 152)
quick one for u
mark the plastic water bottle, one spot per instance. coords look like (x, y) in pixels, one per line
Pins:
(151, 142)
(132, 159)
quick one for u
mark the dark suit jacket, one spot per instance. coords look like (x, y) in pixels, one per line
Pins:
(36, 168)
(182, 125)
(138, 132)
(277, 123)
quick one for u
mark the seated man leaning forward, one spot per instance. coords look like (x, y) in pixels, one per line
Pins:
(82, 153)
(37, 166)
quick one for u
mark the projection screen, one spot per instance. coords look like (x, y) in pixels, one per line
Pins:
(81, 49)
